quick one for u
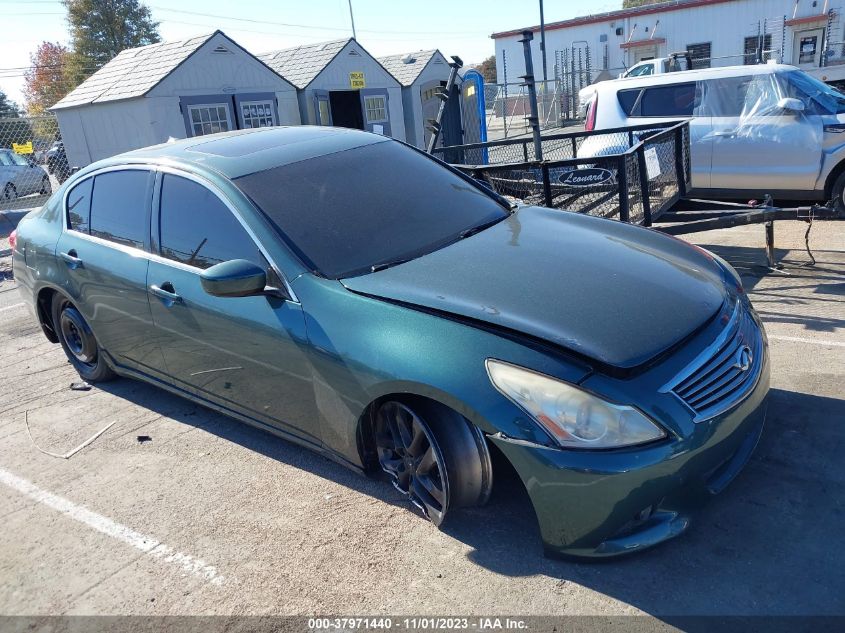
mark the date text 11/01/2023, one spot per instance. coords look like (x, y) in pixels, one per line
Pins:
(415, 623)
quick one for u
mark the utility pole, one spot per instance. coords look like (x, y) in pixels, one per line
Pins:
(542, 40)
(352, 19)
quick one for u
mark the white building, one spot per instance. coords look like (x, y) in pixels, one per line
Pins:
(177, 89)
(421, 74)
(339, 83)
(806, 33)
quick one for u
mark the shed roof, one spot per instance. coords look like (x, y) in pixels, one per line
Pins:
(136, 71)
(133, 72)
(406, 67)
(300, 65)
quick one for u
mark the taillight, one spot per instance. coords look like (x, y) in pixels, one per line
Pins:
(13, 239)
(590, 123)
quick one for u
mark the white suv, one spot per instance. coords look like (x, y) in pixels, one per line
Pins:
(753, 129)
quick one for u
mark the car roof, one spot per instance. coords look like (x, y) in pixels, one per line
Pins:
(243, 152)
(683, 76)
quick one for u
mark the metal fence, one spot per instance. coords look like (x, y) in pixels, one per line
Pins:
(633, 174)
(32, 160)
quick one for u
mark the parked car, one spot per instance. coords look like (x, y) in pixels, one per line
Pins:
(20, 176)
(57, 164)
(352, 294)
(754, 130)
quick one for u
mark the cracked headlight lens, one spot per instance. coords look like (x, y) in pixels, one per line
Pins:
(573, 417)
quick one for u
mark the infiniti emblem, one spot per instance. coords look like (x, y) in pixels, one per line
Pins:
(743, 358)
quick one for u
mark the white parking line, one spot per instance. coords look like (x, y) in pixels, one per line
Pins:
(147, 544)
(812, 341)
(12, 307)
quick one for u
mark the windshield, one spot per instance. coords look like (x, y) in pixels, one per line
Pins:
(818, 97)
(359, 210)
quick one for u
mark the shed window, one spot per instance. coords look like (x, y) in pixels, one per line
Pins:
(376, 109)
(257, 114)
(209, 118)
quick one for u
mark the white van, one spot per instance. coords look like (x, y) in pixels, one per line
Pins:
(753, 129)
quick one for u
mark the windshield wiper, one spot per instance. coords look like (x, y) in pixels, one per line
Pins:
(394, 262)
(479, 228)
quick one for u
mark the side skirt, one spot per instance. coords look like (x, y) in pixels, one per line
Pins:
(126, 372)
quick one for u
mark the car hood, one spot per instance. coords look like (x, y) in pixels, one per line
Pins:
(615, 293)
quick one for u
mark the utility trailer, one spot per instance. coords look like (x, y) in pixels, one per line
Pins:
(638, 174)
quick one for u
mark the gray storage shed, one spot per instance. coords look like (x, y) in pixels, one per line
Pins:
(339, 83)
(191, 87)
(421, 75)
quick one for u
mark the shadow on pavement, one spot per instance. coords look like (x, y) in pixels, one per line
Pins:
(768, 545)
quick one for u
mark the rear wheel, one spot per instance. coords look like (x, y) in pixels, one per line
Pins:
(9, 192)
(78, 341)
(434, 456)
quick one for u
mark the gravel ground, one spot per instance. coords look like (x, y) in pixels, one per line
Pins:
(213, 517)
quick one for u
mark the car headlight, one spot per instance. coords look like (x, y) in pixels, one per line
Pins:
(574, 418)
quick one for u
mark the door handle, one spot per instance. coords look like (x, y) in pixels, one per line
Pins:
(70, 258)
(166, 292)
(725, 133)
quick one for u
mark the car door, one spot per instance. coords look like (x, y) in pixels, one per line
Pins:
(245, 353)
(759, 148)
(103, 257)
(27, 177)
(7, 176)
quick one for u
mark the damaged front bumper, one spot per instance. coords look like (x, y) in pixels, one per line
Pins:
(593, 504)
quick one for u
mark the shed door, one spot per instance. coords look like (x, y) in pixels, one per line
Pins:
(322, 109)
(374, 106)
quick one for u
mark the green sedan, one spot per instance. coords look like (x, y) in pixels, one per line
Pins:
(349, 293)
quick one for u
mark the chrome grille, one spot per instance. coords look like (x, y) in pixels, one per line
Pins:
(726, 371)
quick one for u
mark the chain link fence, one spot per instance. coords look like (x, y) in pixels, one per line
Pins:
(632, 174)
(32, 161)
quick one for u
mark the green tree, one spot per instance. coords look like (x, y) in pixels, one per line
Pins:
(8, 108)
(487, 68)
(627, 4)
(100, 29)
(14, 129)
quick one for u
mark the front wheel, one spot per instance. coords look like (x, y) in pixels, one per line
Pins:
(46, 187)
(837, 193)
(78, 342)
(434, 456)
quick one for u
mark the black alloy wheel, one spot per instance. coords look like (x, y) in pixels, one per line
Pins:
(409, 454)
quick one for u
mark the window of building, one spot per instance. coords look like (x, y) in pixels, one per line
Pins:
(79, 206)
(257, 114)
(198, 229)
(376, 109)
(119, 207)
(699, 55)
(752, 43)
(209, 118)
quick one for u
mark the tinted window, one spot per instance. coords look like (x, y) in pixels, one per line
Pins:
(627, 99)
(665, 101)
(346, 212)
(79, 206)
(645, 69)
(119, 207)
(198, 229)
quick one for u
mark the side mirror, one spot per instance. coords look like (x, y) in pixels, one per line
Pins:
(788, 104)
(235, 278)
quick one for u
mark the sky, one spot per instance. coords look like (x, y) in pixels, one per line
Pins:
(384, 27)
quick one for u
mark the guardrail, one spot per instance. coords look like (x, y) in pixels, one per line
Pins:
(633, 174)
